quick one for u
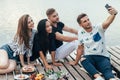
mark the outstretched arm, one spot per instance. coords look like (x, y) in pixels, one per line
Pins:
(61, 37)
(110, 19)
(71, 30)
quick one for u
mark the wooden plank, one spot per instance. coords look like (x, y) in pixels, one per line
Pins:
(55, 69)
(73, 56)
(10, 76)
(118, 47)
(115, 61)
(76, 73)
(62, 68)
(3, 76)
(40, 67)
(113, 56)
(7, 76)
(80, 70)
(112, 61)
(73, 71)
(116, 52)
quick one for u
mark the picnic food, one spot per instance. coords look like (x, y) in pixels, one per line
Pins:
(32, 77)
(28, 69)
(21, 77)
(37, 76)
(59, 75)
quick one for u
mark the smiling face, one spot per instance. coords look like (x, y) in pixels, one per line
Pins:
(48, 27)
(30, 23)
(54, 17)
(85, 23)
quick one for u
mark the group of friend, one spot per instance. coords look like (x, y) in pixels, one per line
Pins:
(29, 44)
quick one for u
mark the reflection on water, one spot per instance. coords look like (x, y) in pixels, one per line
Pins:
(11, 10)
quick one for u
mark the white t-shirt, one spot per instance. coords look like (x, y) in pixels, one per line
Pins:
(94, 41)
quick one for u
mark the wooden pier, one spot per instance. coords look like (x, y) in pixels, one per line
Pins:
(76, 72)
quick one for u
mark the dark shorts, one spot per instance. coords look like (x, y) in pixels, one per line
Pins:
(9, 52)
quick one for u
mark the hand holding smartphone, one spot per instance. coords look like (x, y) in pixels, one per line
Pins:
(107, 6)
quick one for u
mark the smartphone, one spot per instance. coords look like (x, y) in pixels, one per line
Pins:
(107, 6)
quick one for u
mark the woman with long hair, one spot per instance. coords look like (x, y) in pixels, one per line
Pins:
(44, 42)
(20, 46)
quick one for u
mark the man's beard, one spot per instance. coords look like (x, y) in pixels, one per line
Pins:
(55, 21)
(88, 27)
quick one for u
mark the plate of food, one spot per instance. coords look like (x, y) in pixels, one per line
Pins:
(38, 76)
(28, 69)
(21, 77)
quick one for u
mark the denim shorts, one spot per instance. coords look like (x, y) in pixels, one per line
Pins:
(9, 51)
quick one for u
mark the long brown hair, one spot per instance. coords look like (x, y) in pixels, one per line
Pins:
(22, 31)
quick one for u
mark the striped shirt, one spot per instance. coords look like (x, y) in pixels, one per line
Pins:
(22, 49)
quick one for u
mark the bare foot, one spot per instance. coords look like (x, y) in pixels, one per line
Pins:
(57, 64)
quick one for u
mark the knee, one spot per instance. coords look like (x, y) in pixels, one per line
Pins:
(3, 59)
(4, 66)
(85, 62)
(11, 67)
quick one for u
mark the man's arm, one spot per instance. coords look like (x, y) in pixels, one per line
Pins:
(78, 56)
(71, 30)
(61, 37)
(110, 19)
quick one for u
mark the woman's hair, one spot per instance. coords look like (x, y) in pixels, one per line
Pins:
(42, 36)
(22, 34)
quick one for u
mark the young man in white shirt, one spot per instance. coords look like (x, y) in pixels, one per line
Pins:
(92, 46)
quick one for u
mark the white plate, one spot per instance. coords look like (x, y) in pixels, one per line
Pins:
(18, 77)
(24, 69)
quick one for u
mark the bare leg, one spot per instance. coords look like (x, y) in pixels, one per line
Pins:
(4, 62)
(11, 67)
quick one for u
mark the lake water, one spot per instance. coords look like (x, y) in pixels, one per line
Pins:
(12, 10)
